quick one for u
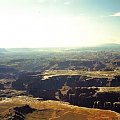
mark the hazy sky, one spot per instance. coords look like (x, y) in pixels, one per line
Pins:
(59, 23)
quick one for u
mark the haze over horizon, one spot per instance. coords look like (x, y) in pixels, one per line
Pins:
(58, 23)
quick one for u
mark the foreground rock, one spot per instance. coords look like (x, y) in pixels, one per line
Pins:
(28, 108)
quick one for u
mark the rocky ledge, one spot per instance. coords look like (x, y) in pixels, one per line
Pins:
(28, 108)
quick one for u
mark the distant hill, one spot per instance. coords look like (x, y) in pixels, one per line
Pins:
(21, 50)
(33, 50)
(110, 45)
(102, 47)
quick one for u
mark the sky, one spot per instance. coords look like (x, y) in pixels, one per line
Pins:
(58, 23)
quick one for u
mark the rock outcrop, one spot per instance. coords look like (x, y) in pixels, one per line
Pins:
(16, 109)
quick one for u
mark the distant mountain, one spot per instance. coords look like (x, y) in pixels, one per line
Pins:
(110, 45)
(21, 50)
(30, 50)
(102, 47)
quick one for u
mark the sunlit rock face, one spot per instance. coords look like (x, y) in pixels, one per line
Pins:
(29, 108)
(85, 91)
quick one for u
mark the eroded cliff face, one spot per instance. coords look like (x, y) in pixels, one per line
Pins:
(28, 108)
(101, 92)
